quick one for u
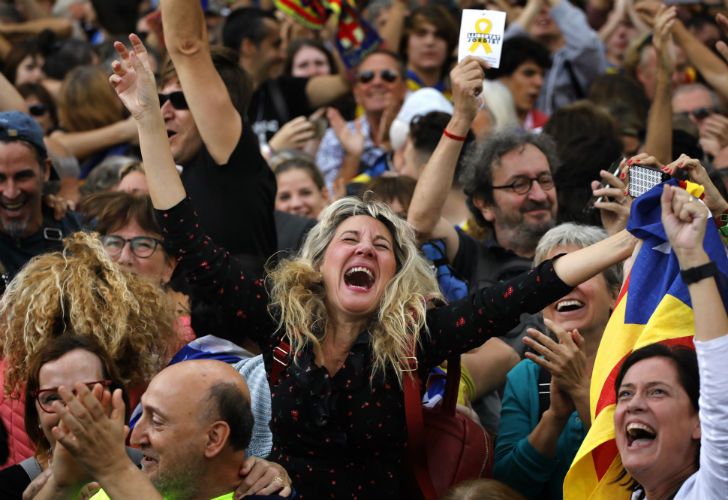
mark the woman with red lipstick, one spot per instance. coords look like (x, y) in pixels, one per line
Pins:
(343, 316)
(672, 443)
(542, 426)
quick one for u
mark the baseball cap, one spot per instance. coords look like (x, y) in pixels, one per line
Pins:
(17, 126)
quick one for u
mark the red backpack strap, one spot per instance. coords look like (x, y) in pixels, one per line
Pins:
(280, 362)
(416, 427)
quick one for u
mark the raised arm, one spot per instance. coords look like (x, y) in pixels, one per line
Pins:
(684, 219)
(425, 211)
(83, 144)
(658, 142)
(219, 123)
(10, 98)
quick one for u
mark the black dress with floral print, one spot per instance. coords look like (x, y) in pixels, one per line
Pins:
(344, 436)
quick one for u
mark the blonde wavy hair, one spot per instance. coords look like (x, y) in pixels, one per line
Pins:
(81, 291)
(298, 295)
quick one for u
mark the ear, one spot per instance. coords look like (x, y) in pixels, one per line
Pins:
(486, 209)
(696, 434)
(47, 171)
(217, 438)
(170, 264)
(247, 48)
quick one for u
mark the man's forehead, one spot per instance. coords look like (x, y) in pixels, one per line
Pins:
(525, 160)
(379, 61)
(18, 152)
(690, 99)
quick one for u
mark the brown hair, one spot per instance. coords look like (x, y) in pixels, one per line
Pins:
(388, 188)
(54, 349)
(482, 489)
(114, 209)
(87, 101)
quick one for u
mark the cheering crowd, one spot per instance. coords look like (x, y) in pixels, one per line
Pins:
(255, 248)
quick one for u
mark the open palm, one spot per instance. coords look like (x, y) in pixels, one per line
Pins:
(133, 79)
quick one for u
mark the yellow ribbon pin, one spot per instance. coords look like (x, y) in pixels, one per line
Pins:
(482, 31)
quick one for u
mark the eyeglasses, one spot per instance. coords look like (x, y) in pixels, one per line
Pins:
(177, 98)
(38, 109)
(141, 246)
(522, 185)
(387, 75)
(46, 397)
(698, 113)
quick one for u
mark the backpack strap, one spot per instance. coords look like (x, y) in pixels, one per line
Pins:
(281, 360)
(544, 391)
(412, 387)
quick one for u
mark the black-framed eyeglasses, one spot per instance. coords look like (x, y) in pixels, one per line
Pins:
(388, 75)
(177, 98)
(522, 185)
(38, 109)
(46, 397)
(698, 113)
(141, 246)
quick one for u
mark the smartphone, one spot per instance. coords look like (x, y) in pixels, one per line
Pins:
(642, 178)
(320, 124)
(614, 170)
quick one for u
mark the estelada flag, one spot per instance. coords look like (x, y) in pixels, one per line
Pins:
(653, 306)
(355, 38)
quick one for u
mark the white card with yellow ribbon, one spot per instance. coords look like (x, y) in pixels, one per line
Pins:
(481, 35)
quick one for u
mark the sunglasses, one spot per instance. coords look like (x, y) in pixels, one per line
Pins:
(387, 75)
(698, 113)
(177, 99)
(38, 109)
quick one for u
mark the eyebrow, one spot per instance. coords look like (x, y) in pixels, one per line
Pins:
(153, 409)
(356, 233)
(648, 384)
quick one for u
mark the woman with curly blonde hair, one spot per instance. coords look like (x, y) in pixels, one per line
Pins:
(350, 311)
(82, 291)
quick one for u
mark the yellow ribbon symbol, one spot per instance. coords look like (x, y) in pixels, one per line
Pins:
(482, 31)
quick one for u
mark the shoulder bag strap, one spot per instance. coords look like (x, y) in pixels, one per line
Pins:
(280, 362)
(544, 391)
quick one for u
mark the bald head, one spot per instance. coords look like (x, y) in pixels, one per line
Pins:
(201, 375)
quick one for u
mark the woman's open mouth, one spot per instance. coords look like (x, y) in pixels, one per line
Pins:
(359, 278)
(639, 435)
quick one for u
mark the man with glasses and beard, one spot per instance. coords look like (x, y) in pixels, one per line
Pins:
(508, 183)
(27, 228)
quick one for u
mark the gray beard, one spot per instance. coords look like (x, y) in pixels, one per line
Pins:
(526, 236)
(15, 229)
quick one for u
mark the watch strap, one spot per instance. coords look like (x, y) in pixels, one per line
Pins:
(698, 273)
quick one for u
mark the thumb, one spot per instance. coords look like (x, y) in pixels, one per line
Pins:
(666, 200)
(118, 407)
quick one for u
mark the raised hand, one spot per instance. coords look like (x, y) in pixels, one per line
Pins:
(351, 140)
(615, 204)
(467, 86)
(93, 428)
(684, 218)
(133, 79)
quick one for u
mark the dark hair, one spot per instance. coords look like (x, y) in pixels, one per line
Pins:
(18, 52)
(440, 18)
(624, 99)
(231, 406)
(476, 177)
(114, 209)
(400, 63)
(387, 188)
(519, 50)
(54, 349)
(39, 91)
(236, 80)
(296, 45)
(685, 362)
(246, 22)
(66, 55)
(425, 130)
(299, 161)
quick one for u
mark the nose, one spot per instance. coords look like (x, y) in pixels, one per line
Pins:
(138, 434)
(126, 257)
(538, 81)
(10, 190)
(365, 248)
(636, 403)
(536, 193)
(167, 110)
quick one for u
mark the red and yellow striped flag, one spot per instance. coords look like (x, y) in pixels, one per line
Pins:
(654, 306)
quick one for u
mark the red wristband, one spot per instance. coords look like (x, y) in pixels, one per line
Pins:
(452, 136)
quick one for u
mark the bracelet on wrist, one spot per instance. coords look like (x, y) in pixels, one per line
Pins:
(699, 273)
(454, 137)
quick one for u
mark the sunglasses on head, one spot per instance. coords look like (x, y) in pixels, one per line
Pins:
(38, 109)
(177, 99)
(387, 75)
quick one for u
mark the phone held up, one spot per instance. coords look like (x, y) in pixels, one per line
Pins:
(642, 178)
